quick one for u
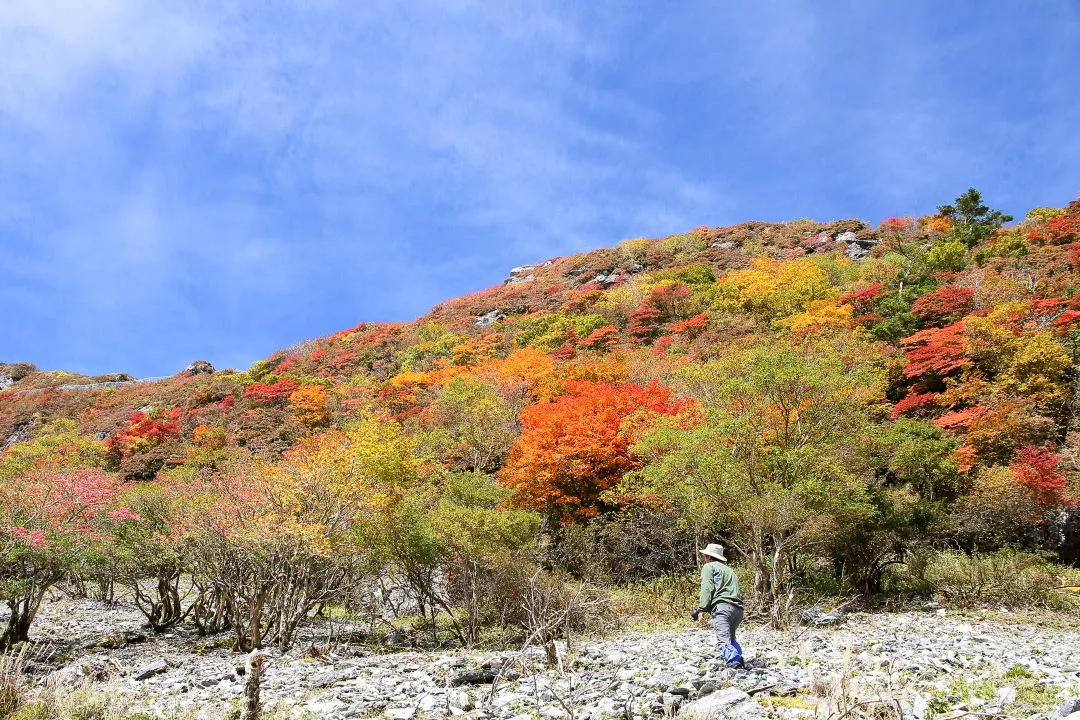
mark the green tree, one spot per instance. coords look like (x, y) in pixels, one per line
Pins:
(141, 554)
(779, 462)
(920, 456)
(484, 549)
(472, 425)
(947, 257)
(973, 221)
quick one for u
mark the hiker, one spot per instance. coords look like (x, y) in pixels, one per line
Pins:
(721, 599)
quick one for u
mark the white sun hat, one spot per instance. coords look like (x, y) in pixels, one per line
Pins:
(715, 551)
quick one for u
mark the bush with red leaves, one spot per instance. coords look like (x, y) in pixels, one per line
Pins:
(1059, 230)
(659, 307)
(914, 402)
(691, 328)
(861, 300)
(141, 449)
(272, 394)
(944, 305)
(1036, 468)
(601, 339)
(937, 351)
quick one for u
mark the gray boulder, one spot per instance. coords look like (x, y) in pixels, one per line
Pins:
(21, 434)
(148, 671)
(727, 704)
(332, 677)
(82, 672)
(479, 676)
(856, 251)
(846, 237)
(817, 615)
(489, 318)
(199, 367)
(1069, 707)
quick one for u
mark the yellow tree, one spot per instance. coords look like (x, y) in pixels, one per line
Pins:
(775, 288)
(281, 539)
(308, 403)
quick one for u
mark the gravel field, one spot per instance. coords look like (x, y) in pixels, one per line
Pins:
(930, 664)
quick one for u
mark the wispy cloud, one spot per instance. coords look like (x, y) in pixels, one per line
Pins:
(197, 178)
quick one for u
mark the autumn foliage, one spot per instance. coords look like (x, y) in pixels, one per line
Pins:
(1037, 470)
(276, 393)
(944, 305)
(308, 403)
(840, 395)
(49, 522)
(938, 351)
(660, 306)
(577, 446)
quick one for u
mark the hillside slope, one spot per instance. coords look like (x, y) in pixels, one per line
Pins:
(913, 382)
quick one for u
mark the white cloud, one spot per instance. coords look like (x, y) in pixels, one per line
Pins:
(295, 166)
(169, 156)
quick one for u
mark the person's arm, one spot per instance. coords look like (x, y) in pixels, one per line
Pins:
(705, 601)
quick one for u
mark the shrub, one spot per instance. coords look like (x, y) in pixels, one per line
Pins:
(683, 245)
(48, 524)
(943, 306)
(141, 448)
(83, 705)
(665, 600)
(1006, 577)
(142, 555)
(278, 540)
(573, 449)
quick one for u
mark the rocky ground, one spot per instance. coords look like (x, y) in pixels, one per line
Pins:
(929, 664)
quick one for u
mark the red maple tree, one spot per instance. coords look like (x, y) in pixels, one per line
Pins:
(660, 306)
(276, 393)
(578, 445)
(944, 305)
(1036, 469)
(936, 351)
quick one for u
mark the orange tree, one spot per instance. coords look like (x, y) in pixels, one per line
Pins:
(575, 447)
(308, 403)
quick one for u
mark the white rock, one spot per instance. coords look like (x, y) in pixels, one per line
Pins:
(727, 704)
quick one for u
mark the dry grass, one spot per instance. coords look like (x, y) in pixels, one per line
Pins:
(12, 682)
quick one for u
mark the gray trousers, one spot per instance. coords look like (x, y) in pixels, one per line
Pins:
(725, 619)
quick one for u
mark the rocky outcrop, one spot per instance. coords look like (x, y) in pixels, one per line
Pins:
(13, 373)
(199, 367)
(489, 318)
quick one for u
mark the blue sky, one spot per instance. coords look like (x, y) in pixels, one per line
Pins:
(217, 179)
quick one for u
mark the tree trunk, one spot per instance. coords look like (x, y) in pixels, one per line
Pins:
(252, 707)
(18, 625)
(23, 610)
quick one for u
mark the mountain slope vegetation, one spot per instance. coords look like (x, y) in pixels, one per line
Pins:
(835, 401)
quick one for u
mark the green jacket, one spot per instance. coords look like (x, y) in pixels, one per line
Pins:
(718, 585)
